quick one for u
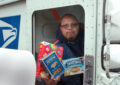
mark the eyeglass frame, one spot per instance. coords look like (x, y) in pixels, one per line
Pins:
(73, 25)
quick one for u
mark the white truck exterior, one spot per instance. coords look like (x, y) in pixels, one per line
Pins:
(93, 19)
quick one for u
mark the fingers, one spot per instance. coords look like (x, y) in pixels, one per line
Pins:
(55, 80)
(52, 77)
(83, 59)
(52, 81)
(47, 76)
(58, 79)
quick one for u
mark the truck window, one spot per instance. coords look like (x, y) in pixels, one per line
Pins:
(47, 22)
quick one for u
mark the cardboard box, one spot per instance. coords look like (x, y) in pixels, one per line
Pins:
(73, 66)
(52, 64)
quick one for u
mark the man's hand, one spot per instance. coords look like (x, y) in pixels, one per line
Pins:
(51, 81)
(83, 58)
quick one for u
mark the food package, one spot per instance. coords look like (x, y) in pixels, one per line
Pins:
(52, 65)
(73, 66)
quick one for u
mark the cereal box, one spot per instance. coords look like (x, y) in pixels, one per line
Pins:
(73, 66)
(52, 64)
(45, 49)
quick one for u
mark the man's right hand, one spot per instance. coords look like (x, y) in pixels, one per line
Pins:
(51, 81)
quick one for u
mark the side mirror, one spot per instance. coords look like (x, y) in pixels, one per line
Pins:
(17, 67)
(114, 56)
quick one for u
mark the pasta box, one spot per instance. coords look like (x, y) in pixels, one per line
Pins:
(52, 65)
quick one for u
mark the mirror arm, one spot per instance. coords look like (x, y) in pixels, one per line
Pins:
(107, 54)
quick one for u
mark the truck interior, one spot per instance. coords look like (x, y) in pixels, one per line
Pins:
(46, 23)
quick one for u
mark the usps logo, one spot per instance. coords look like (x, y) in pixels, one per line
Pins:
(9, 32)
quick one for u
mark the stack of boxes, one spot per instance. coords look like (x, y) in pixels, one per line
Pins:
(49, 60)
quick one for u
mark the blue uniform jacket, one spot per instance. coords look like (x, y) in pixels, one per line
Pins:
(71, 49)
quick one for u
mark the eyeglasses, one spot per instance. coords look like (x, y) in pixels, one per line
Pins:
(67, 25)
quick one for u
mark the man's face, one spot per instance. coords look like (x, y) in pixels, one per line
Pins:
(69, 28)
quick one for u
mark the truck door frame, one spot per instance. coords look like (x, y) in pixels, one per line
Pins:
(90, 29)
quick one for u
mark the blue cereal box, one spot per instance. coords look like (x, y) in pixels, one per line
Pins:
(52, 64)
(73, 66)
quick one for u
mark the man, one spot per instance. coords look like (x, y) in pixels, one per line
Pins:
(71, 37)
